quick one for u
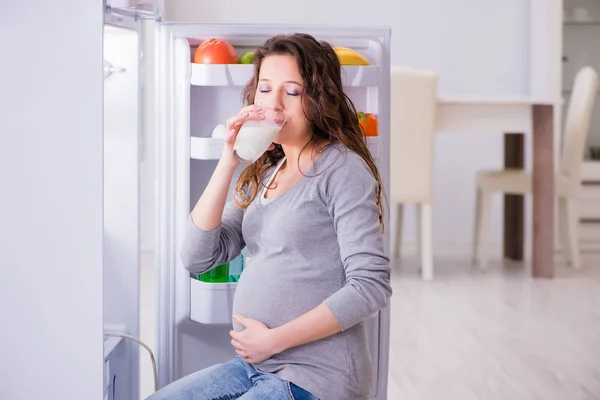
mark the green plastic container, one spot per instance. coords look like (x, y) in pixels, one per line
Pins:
(235, 268)
(219, 274)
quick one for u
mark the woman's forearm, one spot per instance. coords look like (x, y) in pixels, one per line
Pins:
(209, 209)
(316, 324)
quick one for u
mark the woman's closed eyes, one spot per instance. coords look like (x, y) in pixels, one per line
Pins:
(289, 92)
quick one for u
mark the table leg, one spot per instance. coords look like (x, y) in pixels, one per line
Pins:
(514, 209)
(543, 192)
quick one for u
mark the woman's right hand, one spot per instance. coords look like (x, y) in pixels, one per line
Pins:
(232, 127)
(208, 211)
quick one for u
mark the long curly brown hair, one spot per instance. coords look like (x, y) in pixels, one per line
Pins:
(329, 110)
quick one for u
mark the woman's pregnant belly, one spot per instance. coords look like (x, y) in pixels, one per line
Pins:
(276, 290)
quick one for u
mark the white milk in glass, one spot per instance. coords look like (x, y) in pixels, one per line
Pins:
(253, 139)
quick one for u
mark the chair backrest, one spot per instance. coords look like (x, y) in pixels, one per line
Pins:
(577, 123)
(413, 114)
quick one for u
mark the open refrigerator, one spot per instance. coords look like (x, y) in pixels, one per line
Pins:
(188, 101)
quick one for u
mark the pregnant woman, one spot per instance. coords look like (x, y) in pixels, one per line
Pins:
(310, 212)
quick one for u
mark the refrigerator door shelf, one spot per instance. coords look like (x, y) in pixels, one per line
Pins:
(240, 75)
(211, 303)
(202, 148)
(373, 145)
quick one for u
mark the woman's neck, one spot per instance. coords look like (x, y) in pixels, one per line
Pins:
(299, 157)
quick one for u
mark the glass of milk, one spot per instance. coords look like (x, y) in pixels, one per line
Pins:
(255, 136)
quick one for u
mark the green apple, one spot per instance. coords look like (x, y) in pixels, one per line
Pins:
(247, 57)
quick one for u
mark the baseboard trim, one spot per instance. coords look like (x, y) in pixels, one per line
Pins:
(449, 248)
(494, 250)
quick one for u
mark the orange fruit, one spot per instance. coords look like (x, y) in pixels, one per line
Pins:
(368, 123)
(215, 51)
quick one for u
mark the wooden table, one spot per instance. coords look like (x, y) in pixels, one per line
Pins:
(514, 116)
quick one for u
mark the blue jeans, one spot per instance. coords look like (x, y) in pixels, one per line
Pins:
(234, 379)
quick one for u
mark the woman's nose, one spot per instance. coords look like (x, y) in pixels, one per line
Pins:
(277, 97)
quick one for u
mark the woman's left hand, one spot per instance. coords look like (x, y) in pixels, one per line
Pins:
(256, 343)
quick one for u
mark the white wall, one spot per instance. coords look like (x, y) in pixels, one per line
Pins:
(477, 47)
(51, 340)
(591, 6)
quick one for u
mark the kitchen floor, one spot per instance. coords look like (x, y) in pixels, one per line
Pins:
(489, 335)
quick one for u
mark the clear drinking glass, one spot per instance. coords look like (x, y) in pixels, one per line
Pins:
(255, 136)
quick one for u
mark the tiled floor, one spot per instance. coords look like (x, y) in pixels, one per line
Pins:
(488, 335)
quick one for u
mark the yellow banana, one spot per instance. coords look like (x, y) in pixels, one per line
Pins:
(350, 57)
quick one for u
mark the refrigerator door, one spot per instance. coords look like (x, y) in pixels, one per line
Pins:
(191, 99)
(121, 186)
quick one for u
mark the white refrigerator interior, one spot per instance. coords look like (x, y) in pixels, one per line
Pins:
(121, 233)
(194, 317)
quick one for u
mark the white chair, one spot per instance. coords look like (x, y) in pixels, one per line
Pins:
(413, 113)
(567, 179)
